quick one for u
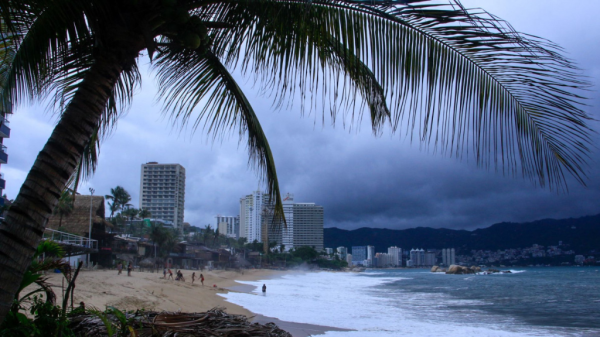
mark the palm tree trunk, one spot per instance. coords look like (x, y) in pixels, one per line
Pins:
(23, 226)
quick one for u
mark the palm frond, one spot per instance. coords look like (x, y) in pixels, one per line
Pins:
(189, 79)
(462, 80)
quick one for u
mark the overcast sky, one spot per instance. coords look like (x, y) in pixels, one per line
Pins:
(361, 180)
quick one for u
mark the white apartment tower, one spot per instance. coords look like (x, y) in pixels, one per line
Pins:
(396, 254)
(304, 224)
(304, 221)
(417, 257)
(162, 192)
(228, 225)
(251, 215)
(448, 256)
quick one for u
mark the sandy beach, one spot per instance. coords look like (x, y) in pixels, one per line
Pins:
(102, 288)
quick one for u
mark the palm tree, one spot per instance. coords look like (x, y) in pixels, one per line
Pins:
(130, 212)
(144, 213)
(207, 234)
(463, 79)
(120, 198)
(64, 206)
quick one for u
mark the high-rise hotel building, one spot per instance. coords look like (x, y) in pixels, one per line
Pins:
(4, 133)
(252, 208)
(304, 222)
(162, 192)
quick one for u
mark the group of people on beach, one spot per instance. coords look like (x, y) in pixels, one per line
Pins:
(120, 268)
(179, 276)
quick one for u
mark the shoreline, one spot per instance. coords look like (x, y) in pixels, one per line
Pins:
(294, 328)
(148, 290)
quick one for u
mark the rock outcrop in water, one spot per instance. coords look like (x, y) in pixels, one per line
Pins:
(461, 270)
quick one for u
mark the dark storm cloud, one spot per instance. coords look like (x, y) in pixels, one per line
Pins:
(361, 180)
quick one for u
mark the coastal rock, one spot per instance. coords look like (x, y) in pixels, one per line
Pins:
(475, 269)
(492, 270)
(435, 269)
(459, 270)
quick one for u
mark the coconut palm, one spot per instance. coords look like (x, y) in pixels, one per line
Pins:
(462, 79)
(120, 199)
(144, 213)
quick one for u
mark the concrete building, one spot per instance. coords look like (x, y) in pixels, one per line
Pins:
(329, 251)
(304, 221)
(359, 255)
(383, 260)
(417, 257)
(349, 260)
(304, 224)
(448, 256)
(342, 252)
(4, 133)
(396, 255)
(228, 225)
(429, 259)
(371, 256)
(162, 192)
(251, 215)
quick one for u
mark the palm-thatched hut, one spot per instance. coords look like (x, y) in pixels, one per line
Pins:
(78, 223)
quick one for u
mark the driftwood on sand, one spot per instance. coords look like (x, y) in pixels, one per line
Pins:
(214, 322)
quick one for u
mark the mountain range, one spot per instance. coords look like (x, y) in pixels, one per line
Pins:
(581, 234)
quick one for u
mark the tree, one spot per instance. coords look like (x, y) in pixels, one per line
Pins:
(120, 199)
(64, 206)
(144, 213)
(464, 79)
(130, 212)
(207, 234)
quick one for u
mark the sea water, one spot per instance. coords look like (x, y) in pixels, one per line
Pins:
(415, 302)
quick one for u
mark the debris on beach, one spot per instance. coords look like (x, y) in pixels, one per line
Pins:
(215, 322)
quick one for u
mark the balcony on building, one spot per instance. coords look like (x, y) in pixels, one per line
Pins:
(3, 155)
(2, 183)
(4, 129)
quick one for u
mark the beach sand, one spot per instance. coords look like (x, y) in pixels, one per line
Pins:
(147, 290)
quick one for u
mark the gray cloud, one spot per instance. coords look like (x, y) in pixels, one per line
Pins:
(361, 180)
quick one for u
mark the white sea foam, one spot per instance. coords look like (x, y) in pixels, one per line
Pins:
(362, 303)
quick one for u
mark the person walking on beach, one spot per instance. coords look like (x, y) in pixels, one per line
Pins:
(165, 273)
(129, 268)
(193, 277)
(264, 288)
(119, 268)
(202, 279)
(170, 274)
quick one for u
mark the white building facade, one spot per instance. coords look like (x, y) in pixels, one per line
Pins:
(251, 215)
(396, 255)
(417, 257)
(228, 225)
(448, 256)
(162, 192)
(304, 224)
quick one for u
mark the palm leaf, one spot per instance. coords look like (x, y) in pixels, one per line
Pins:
(189, 79)
(462, 80)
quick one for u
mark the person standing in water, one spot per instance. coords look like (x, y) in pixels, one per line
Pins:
(193, 277)
(264, 288)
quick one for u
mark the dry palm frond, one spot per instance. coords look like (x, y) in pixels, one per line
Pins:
(215, 322)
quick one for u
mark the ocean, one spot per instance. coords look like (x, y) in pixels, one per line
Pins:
(541, 301)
